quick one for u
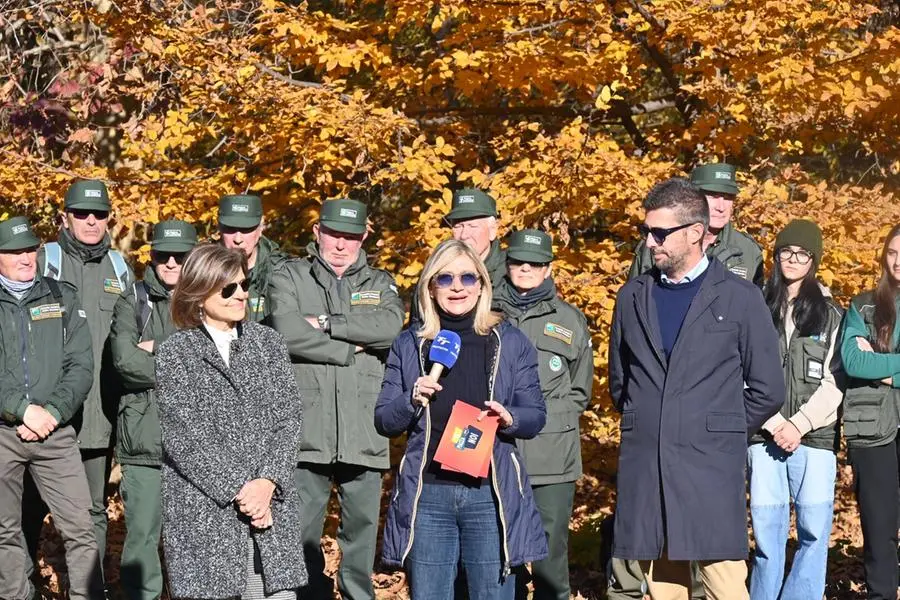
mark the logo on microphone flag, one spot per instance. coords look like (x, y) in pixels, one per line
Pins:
(466, 444)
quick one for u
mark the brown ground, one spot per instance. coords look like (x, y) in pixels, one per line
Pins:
(592, 504)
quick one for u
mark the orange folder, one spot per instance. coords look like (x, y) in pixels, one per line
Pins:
(467, 444)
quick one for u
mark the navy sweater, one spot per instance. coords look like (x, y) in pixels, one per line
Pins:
(672, 304)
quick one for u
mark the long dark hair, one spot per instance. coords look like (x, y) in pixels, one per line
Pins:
(885, 294)
(810, 313)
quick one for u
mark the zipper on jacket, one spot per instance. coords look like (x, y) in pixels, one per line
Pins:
(506, 568)
(26, 333)
(412, 523)
(515, 460)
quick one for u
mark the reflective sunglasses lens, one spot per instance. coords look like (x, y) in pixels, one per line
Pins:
(443, 280)
(469, 279)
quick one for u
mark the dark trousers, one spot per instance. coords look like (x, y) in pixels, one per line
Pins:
(359, 493)
(141, 570)
(877, 485)
(551, 575)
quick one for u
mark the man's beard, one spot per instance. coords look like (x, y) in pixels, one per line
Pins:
(668, 264)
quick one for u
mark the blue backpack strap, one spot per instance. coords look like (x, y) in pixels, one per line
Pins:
(120, 267)
(52, 260)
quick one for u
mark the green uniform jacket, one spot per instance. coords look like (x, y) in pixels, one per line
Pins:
(870, 406)
(45, 346)
(338, 385)
(736, 250)
(495, 263)
(138, 436)
(98, 291)
(566, 369)
(268, 257)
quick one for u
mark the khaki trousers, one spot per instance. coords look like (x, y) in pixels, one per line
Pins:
(671, 579)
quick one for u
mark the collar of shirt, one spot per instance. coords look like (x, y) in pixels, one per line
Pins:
(690, 275)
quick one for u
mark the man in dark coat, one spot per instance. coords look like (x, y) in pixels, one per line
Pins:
(694, 369)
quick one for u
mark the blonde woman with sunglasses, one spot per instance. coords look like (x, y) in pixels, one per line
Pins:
(438, 518)
(230, 416)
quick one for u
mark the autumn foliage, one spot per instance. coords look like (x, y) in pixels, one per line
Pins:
(566, 110)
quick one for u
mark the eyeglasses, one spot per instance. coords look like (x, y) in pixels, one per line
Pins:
(82, 214)
(802, 256)
(660, 233)
(162, 258)
(445, 280)
(229, 290)
(521, 263)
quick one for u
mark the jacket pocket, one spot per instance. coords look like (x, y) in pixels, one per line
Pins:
(727, 433)
(812, 368)
(628, 421)
(869, 413)
(556, 450)
(138, 428)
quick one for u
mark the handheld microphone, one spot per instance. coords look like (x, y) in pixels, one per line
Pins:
(443, 354)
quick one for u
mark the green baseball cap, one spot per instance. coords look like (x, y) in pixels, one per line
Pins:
(16, 234)
(530, 245)
(344, 215)
(173, 235)
(470, 203)
(240, 210)
(87, 194)
(715, 177)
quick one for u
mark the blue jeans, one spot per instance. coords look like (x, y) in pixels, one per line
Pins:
(806, 475)
(455, 524)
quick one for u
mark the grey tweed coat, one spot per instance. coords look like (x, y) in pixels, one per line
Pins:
(223, 426)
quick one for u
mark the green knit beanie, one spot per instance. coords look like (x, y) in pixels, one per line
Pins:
(803, 233)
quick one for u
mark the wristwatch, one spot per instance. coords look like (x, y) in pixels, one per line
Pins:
(324, 323)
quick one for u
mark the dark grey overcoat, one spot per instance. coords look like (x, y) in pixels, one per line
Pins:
(223, 426)
(686, 421)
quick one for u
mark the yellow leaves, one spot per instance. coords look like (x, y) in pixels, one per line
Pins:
(603, 98)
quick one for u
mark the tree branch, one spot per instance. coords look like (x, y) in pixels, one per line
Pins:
(535, 29)
(296, 82)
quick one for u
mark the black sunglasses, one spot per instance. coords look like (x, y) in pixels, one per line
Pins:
(81, 214)
(445, 280)
(513, 262)
(229, 290)
(660, 233)
(162, 258)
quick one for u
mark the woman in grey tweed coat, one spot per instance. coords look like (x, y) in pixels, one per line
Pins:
(230, 415)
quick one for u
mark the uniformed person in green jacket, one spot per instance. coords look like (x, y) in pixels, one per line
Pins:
(527, 296)
(141, 322)
(737, 251)
(241, 226)
(473, 220)
(47, 373)
(83, 256)
(338, 316)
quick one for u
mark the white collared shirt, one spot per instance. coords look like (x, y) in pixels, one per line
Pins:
(222, 340)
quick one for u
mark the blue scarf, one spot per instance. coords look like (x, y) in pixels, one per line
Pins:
(17, 288)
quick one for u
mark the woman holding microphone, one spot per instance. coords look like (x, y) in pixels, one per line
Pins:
(439, 518)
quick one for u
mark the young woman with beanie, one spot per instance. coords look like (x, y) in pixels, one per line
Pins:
(793, 456)
(869, 348)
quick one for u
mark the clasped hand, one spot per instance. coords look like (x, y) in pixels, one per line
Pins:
(255, 501)
(37, 425)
